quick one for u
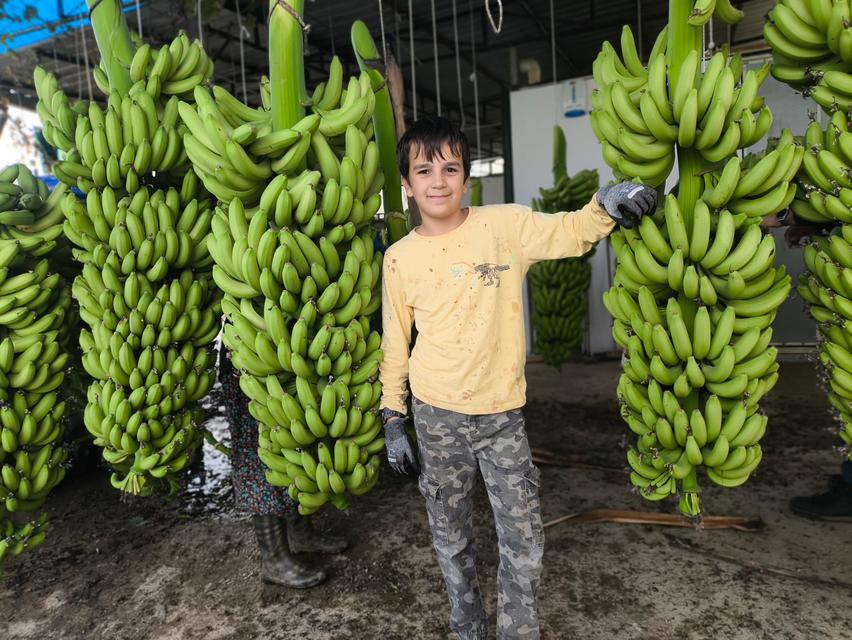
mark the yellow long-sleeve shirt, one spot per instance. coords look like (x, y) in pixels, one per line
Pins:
(462, 290)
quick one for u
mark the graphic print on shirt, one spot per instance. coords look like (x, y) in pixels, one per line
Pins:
(488, 272)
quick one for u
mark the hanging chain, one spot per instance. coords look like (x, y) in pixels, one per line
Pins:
(475, 78)
(553, 40)
(139, 18)
(200, 31)
(435, 55)
(86, 60)
(458, 64)
(243, 32)
(413, 66)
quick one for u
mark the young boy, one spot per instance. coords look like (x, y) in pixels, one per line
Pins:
(457, 277)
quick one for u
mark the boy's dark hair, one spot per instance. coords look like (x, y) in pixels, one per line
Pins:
(429, 135)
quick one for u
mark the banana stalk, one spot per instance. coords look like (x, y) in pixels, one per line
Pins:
(114, 43)
(370, 61)
(286, 52)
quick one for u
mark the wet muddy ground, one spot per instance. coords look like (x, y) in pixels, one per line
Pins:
(189, 569)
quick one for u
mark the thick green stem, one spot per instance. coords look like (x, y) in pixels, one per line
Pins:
(384, 126)
(683, 39)
(114, 43)
(286, 63)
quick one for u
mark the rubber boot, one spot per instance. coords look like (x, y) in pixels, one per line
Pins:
(834, 505)
(304, 538)
(277, 566)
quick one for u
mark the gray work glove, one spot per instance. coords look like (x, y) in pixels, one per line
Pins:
(627, 202)
(401, 455)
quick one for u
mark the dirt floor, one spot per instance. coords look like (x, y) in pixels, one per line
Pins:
(189, 570)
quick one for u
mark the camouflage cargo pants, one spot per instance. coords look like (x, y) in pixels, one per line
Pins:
(453, 446)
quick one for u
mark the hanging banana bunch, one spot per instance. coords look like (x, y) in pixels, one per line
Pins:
(33, 356)
(812, 47)
(292, 243)
(559, 287)
(696, 289)
(145, 289)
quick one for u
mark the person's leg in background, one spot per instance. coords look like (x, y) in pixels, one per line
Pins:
(278, 527)
(835, 504)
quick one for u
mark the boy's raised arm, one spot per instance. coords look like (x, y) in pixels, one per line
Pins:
(571, 234)
(397, 320)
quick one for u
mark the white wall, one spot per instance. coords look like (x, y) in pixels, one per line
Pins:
(534, 112)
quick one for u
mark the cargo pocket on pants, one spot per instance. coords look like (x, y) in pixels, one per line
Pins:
(532, 482)
(435, 508)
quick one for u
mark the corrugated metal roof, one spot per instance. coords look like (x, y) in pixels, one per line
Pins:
(581, 26)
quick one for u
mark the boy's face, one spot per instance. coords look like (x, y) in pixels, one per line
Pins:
(436, 186)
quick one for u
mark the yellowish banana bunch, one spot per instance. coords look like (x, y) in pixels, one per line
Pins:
(559, 287)
(811, 43)
(145, 289)
(292, 242)
(696, 288)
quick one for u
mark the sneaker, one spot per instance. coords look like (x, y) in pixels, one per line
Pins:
(834, 505)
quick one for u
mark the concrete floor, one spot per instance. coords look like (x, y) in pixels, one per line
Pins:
(112, 569)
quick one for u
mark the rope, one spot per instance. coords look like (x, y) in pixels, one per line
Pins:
(413, 66)
(435, 55)
(243, 31)
(382, 27)
(86, 61)
(306, 28)
(93, 7)
(397, 50)
(475, 78)
(553, 40)
(458, 64)
(331, 34)
(139, 18)
(200, 30)
(496, 27)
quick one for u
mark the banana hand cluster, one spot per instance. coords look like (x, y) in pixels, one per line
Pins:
(33, 360)
(812, 48)
(28, 212)
(640, 120)
(825, 177)
(145, 289)
(15, 539)
(292, 242)
(559, 286)
(237, 154)
(175, 69)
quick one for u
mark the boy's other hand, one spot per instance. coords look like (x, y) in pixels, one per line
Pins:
(401, 454)
(627, 202)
